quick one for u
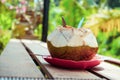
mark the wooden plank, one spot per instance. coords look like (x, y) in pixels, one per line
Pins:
(110, 60)
(35, 45)
(105, 69)
(67, 73)
(110, 71)
(36, 48)
(16, 62)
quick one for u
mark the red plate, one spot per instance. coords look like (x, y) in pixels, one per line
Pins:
(72, 64)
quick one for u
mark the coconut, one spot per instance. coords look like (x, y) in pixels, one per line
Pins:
(71, 43)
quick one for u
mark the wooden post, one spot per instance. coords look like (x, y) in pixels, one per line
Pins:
(45, 20)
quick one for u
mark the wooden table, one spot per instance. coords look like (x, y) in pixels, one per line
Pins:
(21, 59)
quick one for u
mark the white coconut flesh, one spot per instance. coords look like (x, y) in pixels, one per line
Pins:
(72, 37)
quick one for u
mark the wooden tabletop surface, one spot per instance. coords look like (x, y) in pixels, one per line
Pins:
(23, 59)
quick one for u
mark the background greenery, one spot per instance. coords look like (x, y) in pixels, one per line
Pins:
(101, 16)
(6, 20)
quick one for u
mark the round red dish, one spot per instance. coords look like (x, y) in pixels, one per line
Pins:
(72, 64)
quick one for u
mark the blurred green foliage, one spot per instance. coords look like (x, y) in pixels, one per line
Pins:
(109, 44)
(5, 35)
(73, 11)
(6, 17)
(106, 27)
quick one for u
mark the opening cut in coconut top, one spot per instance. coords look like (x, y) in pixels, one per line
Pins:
(72, 37)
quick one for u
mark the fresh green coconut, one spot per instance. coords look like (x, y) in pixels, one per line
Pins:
(71, 43)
